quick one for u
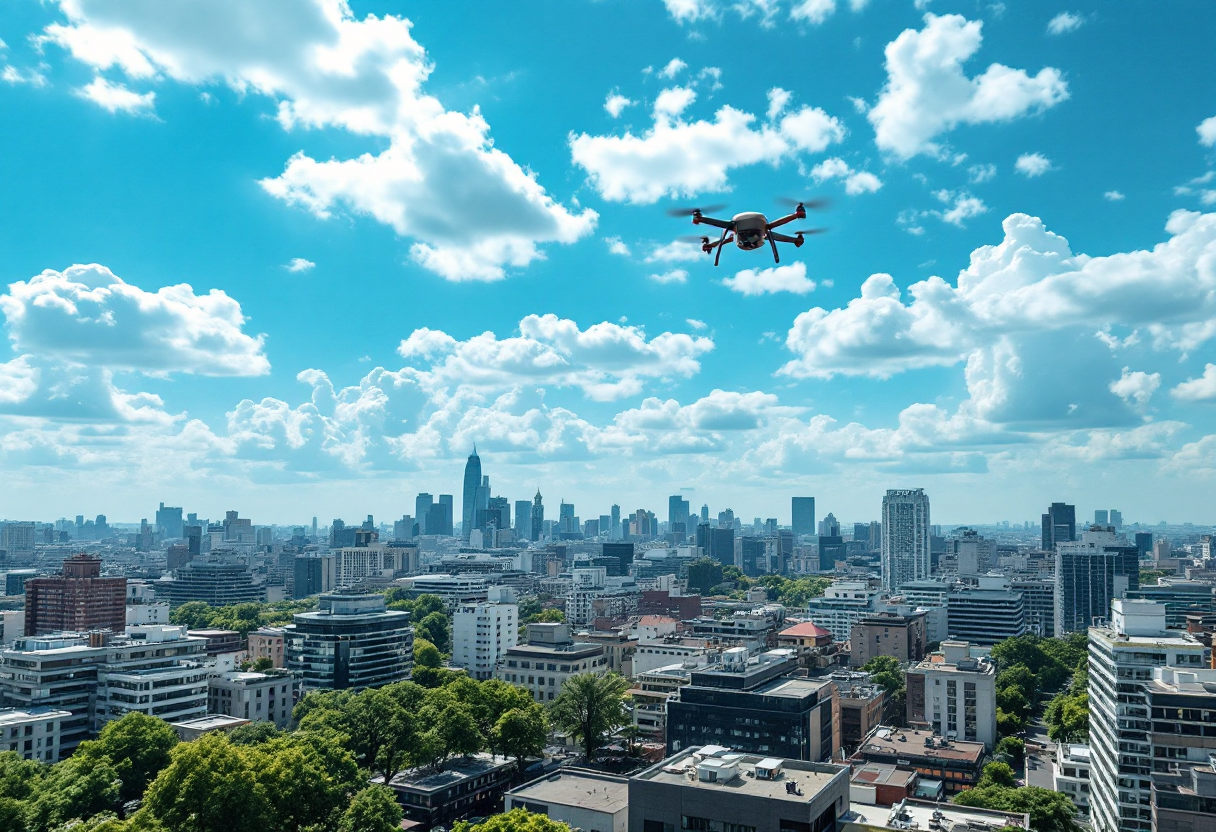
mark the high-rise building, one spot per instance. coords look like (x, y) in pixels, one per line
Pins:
(565, 518)
(422, 508)
(677, 512)
(616, 523)
(314, 574)
(1144, 545)
(17, 539)
(988, 613)
(76, 600)
(484, 631)
(973, 554)
(403, 529)
(802, 515)
(352, 642)
(829, 526)
(1101, 517)
(169, 519)
(704, 513)
(523, 519)
(1123, 656)
(1116, 518)
(219, 581)
(538, 517)
(1089, 573)
(472, 484)
(905, 537)
(448, 519)
(1059, 525)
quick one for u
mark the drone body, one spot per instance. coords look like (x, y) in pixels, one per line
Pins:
(749, 230)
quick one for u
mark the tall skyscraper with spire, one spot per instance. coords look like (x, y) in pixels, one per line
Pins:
(472, 482)
(538, 517)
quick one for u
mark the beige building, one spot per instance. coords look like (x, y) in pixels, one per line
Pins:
(267, 643)
(901, 636)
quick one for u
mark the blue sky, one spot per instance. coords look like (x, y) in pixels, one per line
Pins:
(297, 258)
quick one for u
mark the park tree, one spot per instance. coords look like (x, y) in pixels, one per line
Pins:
(1049, 811)
(591, 706)
(998, 774)
(435, 628)
(521, 733)
(254, 733)
(373, 809)
(516, 820)
(80, 787)
(1014, 748)
(138, 747)
(193, 615)
(209, 786)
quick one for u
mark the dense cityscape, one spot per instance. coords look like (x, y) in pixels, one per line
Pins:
(904, 674)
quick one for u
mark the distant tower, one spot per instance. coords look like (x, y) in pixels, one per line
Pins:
(905, 537)
(802, 515)
(538, 517)
(472, 483)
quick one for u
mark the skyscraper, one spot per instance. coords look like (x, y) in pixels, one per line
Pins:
(677, 512)
(169, 519)
(1090, 573)
(615, 529)
(803, 515)
(565, 517)
(422, 509)
(905, 537)
(1059, 525)
(1101, 517)
(448, 504)
(523, 519)
(538, 517)
(472, 483)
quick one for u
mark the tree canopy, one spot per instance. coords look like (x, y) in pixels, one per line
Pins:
(516, 820)
(591, 706)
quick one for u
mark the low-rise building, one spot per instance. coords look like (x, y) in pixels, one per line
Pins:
(453, 589)
(901, 636)
(652, 654)
(987, 613)
(812, 644)
(267, 643)
(650, 693)
(712, 789)
(33, 733)
(930, 815)
(258, 697)
(1188, 805)
(843, 604)
(466, 786)
(152, 670)
(547, 660)
(586, 800)
(863, 707)
(219, 641)
(882, 784)
(1070, 774)
(959, 765)
(189, 730)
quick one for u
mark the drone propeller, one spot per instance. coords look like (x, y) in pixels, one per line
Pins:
(688, 212)
(810, 231)
(809, 204)
(692, 238)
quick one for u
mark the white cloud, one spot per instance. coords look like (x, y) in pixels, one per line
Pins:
(299, 264)
(692, 11)
(978, 174)
(713, 75)
(927, 93)
(1136, 386)
(856, 182)
(859, 105)
(325, 68)
(677, 251)
(672, 276)
(1032, 164)
(116, 98)
(605, 361)
(964, 208)
(678, 157)
(617, 246)
(812, 11)
(674, 67)
(1207, 132)
(88, 315)
(11, 75)
(616, 104)
(1202, 389)
(1113, 196)
(1029, 283)
(695, 324)
(791, 278)
(778, 100)
(1064, 22)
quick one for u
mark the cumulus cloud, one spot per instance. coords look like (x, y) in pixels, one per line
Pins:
(683, 157)
(1207, 132)
(978, 174)
(674, 67)
(812, 11)
(616, 103)
(1029, 283)
(695, 324)
(677, 251)
(672, 276)
(116, 98)
(855, 182)
(1136, 386)
(1064, 22)
(1113, 196)
(1032, 164)
(299, 264)
(1202, 389)
(12, 75)
(324, 68)
(617, 246)
(791, 278)
(90, 316)
(927, 92)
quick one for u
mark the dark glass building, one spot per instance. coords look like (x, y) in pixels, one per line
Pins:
(352, 642)
(472, 482)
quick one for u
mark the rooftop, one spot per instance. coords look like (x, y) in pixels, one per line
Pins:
(808, 778)
(577, 787)
(14, 715)
(907, 742)
(805, 630)
(454, 771)
(210, 722)
(883, 774)
(921, 814)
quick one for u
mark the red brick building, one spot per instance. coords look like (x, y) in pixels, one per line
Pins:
(78, 599)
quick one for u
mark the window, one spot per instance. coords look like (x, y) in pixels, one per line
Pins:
(694, 824)
(657, 826)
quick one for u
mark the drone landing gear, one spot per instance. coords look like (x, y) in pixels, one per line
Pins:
(773, 243)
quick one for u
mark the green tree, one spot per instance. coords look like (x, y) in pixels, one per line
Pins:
(1013, 748)
(1008, 724)
(434, 627)
(373, 809)
(138, 747)
(255, 733)
(458, 731)
(1012, 700)
(703, 575)
(298, 787)
(426, 654)
(1049, 811)
(19, 777)
(209, 787)
(261, 664)
(998, 774)
(80, 787)
(239, 617)
(591, 706)
(516, 820)
(887, 672)
(521, 733)
(193, 615)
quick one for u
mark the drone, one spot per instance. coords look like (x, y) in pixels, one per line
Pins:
(751, 229)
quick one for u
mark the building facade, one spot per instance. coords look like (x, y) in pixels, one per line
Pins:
(257, 697)
(954, 695)
(33, 734)
(905, 537)
(988, 613)
(548, 658)
(1089, 574)
(900, 635)
(352, 643)
(77, 600)
(482, 633)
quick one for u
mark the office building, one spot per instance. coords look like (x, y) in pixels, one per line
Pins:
(905, 537)
(757, 706)
(353, 565)
(802, 510)
(580, 798)
(257, 697)
(954, 695)
(17, 539)
(958, 764)
(715, 789)
(76, 600)
(899, 635)
(1039, 603)
(32, 734)
(267, 643)
(352, 642)
(455, 590)
(677, 513)
(219, 581)
(1101, 517)
(1181, 598)
(971, 553)
(842, 605)
(623, 553)
(1188, 804)
(423, 504)
(547, 659)
(469, 494)
(523, 519)
(465, 787)
(58, 672)
(482, 633)
(538, 517)
(1059, 525)
(1182, 706)
(987, 613)
(832, 550)
(314, 574)
(1089, 573)
(165, 660)
(169, 521)
(443, 516)
(1070, 774)
(1122, 658)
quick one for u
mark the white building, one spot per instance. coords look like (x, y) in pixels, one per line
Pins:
(582, 799)
(483, 632)
(652, 654)
(149, 613)
(1070, 774)
(34, 733)
(1122, 656)
(585, 585)
(971, 553)
(257, 697)
(548, 659)
(353, 564)
(905, 537)
(956, 696)
(843, 604)
(453, 589)
(153, 670)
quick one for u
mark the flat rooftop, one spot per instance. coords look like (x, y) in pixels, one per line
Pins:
(883, 774)
(796, 688)
(18, 715)
(910, 743)
(454, 771)
(811, 778)
(920, 814)
(575, 787)
(210, 722)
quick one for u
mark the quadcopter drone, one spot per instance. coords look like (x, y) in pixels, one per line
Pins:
(749, 230)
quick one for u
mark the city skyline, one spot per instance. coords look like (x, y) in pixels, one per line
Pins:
(293, 308)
